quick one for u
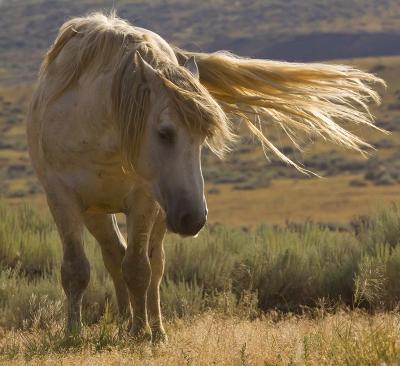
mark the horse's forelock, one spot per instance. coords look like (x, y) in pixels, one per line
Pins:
(197, 109)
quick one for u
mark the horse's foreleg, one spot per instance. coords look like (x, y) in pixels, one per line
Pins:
(157, 260)
(75, 269)
(136, 265)
(105, 230)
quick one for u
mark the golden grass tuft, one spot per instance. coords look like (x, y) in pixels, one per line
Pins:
(345, 338)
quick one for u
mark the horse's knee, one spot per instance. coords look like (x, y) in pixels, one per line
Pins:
(136, 271)
(113, 250)
(75, 275)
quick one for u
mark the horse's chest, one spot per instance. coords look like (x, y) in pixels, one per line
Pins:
(101, 189)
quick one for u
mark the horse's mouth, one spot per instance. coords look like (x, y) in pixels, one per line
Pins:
(184, 231)
(174, 230)
(182, 235)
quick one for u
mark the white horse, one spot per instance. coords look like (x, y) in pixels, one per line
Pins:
(117, 123)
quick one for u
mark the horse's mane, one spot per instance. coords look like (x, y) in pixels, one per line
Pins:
(296, 98)
(309, 98)
(99, 43)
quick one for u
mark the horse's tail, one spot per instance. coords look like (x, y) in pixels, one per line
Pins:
(296, 97)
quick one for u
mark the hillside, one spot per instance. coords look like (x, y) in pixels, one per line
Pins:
(244, 189)
(291, 30)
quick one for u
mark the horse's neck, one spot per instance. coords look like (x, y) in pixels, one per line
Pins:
(87, 119)
(95, 102)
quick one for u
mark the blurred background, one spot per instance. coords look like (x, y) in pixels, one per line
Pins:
(244, 189)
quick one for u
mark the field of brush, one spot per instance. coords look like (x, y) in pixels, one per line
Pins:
(294, 294)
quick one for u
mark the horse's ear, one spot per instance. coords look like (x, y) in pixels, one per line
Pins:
(145, 68)
(191, 65)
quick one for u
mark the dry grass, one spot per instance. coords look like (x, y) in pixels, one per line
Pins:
(329, 199)
(345, 338)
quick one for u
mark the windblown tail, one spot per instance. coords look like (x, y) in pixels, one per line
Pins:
(311, 98)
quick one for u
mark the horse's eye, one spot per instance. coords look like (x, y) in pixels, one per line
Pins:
(167, 135)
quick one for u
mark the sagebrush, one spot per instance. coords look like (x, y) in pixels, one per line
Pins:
(235, 271)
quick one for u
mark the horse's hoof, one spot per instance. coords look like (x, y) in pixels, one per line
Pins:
(141, 334)
(159, 336)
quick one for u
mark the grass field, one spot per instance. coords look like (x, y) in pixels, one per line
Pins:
(300, 294)
(330, 199)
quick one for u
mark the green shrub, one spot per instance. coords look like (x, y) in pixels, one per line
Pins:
(226, 269)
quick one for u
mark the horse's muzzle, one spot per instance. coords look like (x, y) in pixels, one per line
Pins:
(186, 223)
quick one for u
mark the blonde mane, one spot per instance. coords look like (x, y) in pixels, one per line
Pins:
(297, 98)
(307, 98)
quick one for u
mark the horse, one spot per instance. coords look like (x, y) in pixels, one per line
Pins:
(117, 123)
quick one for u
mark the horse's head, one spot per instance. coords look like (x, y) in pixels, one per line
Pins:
(170, 157)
